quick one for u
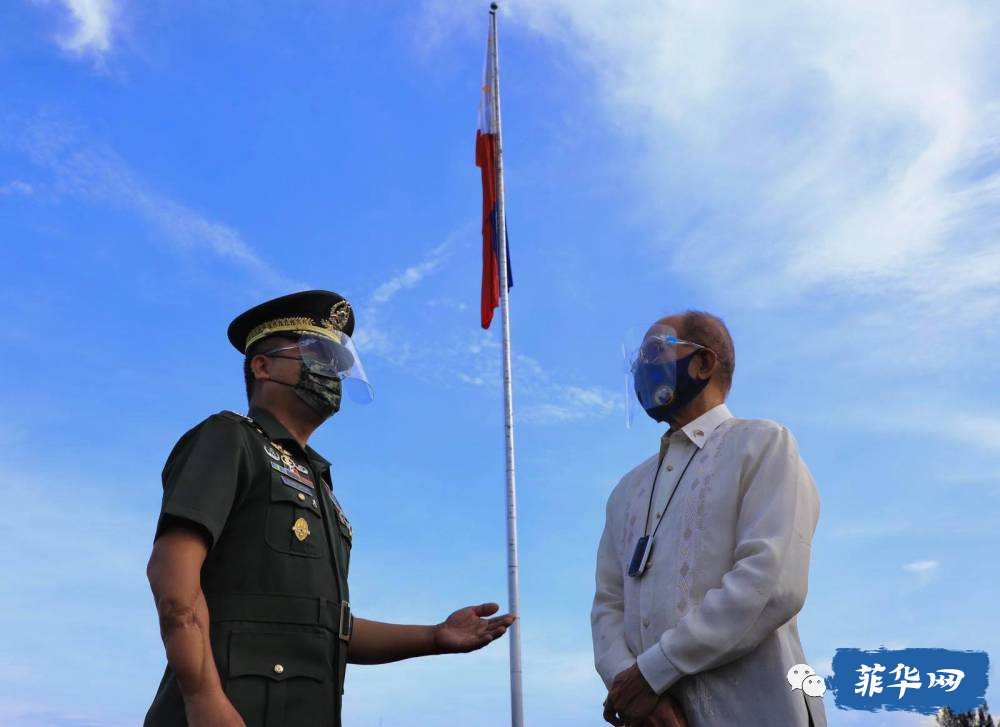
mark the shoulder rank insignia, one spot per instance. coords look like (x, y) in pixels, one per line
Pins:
(249, 420)
(346, 523)
(301, 529)
(340, 513)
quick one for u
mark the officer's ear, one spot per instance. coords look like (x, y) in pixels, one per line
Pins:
(260, 366)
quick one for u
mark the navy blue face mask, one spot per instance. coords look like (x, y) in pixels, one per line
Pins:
(663, 389)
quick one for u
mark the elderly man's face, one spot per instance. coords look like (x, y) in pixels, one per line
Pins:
(699, 367)
(655, 349)
(664, 389)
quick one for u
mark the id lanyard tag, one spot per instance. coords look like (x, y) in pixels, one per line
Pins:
(638, 564)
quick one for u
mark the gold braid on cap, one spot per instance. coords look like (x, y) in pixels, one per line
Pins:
(329, 327)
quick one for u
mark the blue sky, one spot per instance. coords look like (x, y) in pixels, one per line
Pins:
(824, 178)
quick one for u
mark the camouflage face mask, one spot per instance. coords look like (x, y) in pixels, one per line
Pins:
(317, 388)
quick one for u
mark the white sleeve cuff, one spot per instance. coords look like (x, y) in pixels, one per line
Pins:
(658, 671)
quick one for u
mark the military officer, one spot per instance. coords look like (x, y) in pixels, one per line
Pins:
(250, 556)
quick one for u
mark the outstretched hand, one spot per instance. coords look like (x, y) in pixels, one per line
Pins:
(468, 630)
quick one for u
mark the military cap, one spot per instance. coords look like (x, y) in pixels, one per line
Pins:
(319, 312)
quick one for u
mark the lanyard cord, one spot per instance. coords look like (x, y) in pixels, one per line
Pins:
(652, 491)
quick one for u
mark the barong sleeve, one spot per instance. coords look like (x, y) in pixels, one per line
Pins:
(767, 583)
(607, 617)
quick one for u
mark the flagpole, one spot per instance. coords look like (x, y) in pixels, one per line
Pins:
(513, 588)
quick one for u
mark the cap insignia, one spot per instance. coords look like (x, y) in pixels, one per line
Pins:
(340, 313)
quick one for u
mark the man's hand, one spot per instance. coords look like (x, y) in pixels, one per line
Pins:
(611, 716)
(213, 710)
(631, 699)
(667, 713)
(466, 630)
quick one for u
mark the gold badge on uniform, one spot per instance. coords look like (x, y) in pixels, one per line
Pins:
(301, 529)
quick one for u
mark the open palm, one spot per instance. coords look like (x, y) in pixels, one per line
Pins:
(468, 630)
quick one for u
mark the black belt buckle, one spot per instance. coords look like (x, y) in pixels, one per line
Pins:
(346, 625)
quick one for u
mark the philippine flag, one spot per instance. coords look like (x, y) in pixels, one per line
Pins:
(486, 160)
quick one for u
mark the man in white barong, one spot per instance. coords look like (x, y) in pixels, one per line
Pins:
(704, 560)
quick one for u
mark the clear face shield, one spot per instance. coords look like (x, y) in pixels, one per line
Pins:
(651, 370)
(334, 359)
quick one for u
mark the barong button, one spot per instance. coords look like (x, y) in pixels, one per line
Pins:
(670, 468)
(645, 623)
(279, 669)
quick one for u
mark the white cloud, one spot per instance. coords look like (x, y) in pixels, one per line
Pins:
(847, 146)
(412, 276)
(92, 21)
(449, 303)
(16, 186)
(373, 336)
(537, 397)
(922, 566)
(97, 173)
(473, 357)
(924, 570)
(842, 153)
(976, 428)
(844, 134)
(91, 28)
(572, 403)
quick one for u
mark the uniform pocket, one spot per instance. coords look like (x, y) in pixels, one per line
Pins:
(278, 679)
(293, 523)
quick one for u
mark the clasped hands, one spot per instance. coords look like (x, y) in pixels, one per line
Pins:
(632, 702)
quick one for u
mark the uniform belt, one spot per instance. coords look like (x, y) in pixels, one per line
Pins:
(278, 608)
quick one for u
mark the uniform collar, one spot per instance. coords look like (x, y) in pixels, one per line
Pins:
(274, 429)
(700, 429)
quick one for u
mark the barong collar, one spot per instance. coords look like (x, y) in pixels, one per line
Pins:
(700, 429)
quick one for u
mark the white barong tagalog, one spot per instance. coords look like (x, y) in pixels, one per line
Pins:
(712, 621)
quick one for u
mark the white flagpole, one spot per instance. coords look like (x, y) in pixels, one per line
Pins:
(513, 589)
